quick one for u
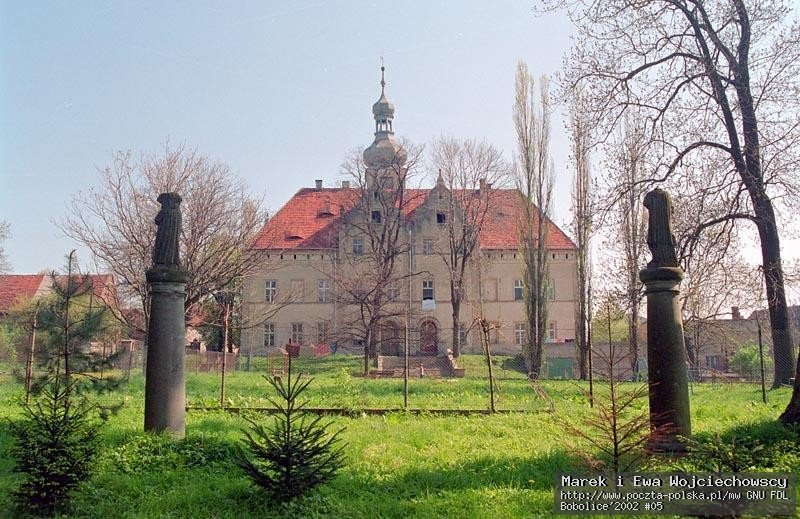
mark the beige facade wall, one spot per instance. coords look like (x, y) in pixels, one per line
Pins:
(297, 277)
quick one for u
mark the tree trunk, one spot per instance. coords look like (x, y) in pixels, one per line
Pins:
(776, 295)
(583, 350)
(366, 353)
(456, 304)
(792, 413)
(633, 340)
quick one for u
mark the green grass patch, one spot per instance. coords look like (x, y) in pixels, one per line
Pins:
(397, 465)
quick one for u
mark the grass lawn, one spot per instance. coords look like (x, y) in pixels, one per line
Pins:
(398, 465)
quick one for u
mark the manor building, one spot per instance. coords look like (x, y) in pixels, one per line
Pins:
(373, 253)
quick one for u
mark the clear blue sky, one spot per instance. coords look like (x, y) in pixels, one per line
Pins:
(278, 90)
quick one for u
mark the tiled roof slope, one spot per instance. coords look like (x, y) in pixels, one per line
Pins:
(310, 220)
(15, 288)
(312, 217)
(499, 229)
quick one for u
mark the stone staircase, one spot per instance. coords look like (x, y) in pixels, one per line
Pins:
(391, 366)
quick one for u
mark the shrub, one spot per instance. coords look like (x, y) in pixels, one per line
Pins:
(55, 444)
(294, 453)
(747, 361)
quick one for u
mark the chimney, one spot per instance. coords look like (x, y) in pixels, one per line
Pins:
(735, 315)
(345, 184)
(482, 186)
(318, 184)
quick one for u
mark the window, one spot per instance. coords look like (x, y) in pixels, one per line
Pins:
(323, 291)
(441, 218)
(297, 333)
(358, 245)
(271, 290)
(269, 335)
(427, 289)
(427, 246)
(376, 217)
(551, 331)
(520, 333)
(322, 332)
(392, 291)
(714, 362)
(551, 290)
(518, 290)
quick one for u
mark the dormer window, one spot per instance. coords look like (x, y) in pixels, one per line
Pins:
(325, 211)
(441, 218)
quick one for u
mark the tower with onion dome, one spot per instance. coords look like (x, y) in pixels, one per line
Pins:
(385, 158)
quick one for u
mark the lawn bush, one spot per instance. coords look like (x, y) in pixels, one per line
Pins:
(55, 445)
(294, 454)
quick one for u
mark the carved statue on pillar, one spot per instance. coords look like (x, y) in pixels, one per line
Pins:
(166, 252)
(670, 419)
(660, 239)
(165, 385)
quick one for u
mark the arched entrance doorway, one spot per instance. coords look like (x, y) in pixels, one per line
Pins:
(391, 339)
(428, 337)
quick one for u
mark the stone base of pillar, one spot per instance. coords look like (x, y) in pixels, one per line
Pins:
(665, 442)
(165, 386)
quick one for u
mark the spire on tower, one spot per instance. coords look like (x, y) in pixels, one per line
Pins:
(384, 150)
(383, 80)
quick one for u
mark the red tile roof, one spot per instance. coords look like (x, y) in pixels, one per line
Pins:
(311, 219)
(102, 285)
(15, 288)
(499, 229)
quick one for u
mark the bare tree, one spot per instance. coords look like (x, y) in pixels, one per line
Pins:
(534, 178)
(710, 293)
(627, 165)
(5, 233)
(718, 81)
(115, 220)
(582, 221)
(373, 243)
(717, 277)
(471, 171)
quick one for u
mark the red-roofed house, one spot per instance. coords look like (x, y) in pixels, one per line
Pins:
(16, 289)
(312, 244)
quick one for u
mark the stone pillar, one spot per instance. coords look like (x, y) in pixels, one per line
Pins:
(165, 386)
(666, 351)
(666, 361)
